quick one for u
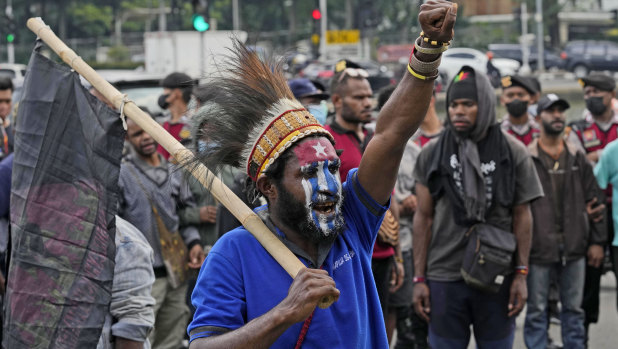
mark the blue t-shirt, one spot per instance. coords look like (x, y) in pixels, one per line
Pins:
(606, 172)
(240, 281)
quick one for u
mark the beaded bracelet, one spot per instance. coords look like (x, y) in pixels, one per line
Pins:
(423, 67)
(418, 279)
(523, 270)
(435, 42)
(428, 50)
(422, 77)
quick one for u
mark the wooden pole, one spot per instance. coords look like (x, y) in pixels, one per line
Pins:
(218, 189)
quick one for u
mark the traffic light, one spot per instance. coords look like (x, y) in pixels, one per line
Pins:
(200, 15)
(10, 36)
(316, 14)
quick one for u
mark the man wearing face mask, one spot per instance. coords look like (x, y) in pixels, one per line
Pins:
(517, 93)
(592, 135)
(176, 95)
(310, 97)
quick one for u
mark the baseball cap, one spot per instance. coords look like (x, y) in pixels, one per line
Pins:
(550, 100)
(305, 88)
(177, 80)
(600, 81)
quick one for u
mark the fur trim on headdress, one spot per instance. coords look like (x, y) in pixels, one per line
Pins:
(250, 117)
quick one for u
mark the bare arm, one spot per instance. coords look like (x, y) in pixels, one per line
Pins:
(404, 111)
(123, 343)
(421, 230)
(522, 228)
(308, 288)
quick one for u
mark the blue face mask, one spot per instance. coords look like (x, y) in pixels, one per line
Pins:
(206, 146)
(319, 111)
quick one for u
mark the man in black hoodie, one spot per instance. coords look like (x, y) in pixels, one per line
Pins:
(473, 173)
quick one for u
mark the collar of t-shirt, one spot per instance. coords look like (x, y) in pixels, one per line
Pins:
(323, 247)
(157, 174)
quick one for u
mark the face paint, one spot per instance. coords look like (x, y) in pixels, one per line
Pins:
(321, 183)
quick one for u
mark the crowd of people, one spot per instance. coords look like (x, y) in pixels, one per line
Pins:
(431, 228)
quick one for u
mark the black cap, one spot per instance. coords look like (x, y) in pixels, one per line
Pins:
(518, 80)
(177, 80)
(600, 81)
(550, 100)
(462, 86)
(305, 88)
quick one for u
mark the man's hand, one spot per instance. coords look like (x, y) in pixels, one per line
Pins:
(307, 289)
(408, 206)
(595, 255)
(397, 274)
(420, 299)
(519, 294)
(196, 257)
(437, 19)
(208, 214)
(595, 212)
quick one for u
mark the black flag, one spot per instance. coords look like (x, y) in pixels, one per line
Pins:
(63, 201)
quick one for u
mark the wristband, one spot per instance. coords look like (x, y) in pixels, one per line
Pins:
(418, 279)
(522, 269)
(422, 77)
(398, 259)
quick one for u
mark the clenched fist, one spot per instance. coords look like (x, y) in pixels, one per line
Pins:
(437, 19)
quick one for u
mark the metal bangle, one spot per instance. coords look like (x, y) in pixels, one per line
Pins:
(424, 67)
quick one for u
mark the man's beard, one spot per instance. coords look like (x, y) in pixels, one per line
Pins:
(550, 130)
(348, 115)
(293, 213)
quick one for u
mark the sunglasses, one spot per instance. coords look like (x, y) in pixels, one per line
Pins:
(353, 73)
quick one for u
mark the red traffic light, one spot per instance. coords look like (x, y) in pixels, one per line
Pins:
(316, 14)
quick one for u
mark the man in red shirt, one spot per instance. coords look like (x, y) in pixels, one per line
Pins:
(177, 89)
(517, 94)
(351, 96)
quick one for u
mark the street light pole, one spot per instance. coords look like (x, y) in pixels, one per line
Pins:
(323, 28)
(10, 47)
(525, 51)
(540, 36)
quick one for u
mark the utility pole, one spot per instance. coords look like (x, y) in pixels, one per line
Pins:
(540, 36)
(162, 19)
(323, 28)
(235, 15)
(10, 47)
(525, 51)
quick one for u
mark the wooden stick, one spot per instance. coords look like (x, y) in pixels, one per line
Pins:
(218, 189)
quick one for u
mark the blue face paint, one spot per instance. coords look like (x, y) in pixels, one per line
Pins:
(323, 199)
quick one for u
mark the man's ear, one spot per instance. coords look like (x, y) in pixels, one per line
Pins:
(336, 99)
(267, 187)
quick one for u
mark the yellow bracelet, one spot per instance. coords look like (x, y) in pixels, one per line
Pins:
(421, 77)
(398, 259)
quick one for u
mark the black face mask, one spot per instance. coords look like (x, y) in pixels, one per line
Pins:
(595, 105)
(162, 101)
(517, 108)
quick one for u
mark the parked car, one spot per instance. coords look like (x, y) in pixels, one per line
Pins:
(581, 57)
(141, 87)
(455, 58)
(379, 75)
(16, 72)
(551, 60)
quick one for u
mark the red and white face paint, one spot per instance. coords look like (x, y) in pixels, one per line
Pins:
(319, 164)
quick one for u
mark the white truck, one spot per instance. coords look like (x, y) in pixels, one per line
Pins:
(190, 52)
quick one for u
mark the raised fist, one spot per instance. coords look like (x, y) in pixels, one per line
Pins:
(437, 18)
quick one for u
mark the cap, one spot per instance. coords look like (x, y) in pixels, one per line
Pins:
(305, 88)
(518, 80)
(600, 81)
(462, 86)
(550, 100)
(177, 80)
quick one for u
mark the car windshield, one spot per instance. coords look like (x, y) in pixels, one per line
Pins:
(7, 72)
(145, 97)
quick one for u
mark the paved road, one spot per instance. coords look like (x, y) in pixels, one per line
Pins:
(603, 335)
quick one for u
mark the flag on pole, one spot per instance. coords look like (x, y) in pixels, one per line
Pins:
(63, 201)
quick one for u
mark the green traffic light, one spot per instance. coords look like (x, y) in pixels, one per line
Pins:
(10, 37)
(200, 24)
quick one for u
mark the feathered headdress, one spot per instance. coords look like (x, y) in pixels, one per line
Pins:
(250, 116)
